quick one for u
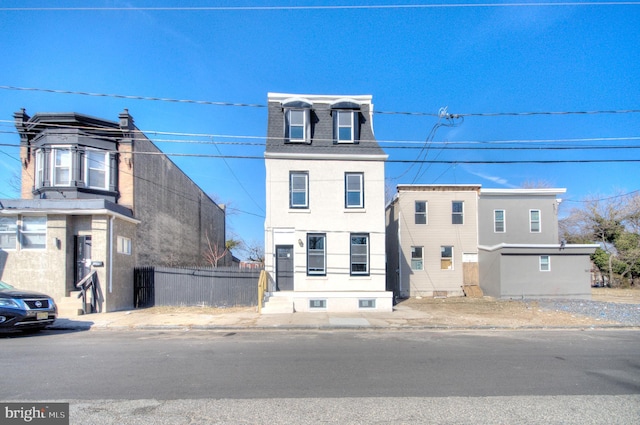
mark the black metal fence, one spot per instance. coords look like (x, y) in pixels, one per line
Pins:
(210, 287)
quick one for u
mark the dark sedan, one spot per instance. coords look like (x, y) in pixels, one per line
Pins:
(25, 310)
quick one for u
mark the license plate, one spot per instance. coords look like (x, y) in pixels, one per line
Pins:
(42, 316)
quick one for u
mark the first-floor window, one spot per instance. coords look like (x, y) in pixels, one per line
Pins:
(316, 254)
(359, 254)
(417, 260)
(123, 245)
(8, 232)
(545, 263)
(33, 233)
(446, 257)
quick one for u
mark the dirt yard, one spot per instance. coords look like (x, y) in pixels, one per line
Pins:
(488, 311)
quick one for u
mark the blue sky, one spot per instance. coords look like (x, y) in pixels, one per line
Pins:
(473, 60)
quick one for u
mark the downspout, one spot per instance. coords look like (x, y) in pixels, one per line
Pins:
(400, 254)
(111, 220)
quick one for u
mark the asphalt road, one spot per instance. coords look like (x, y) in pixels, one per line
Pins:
(329, 376)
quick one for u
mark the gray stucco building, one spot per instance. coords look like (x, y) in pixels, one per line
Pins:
(98, 195)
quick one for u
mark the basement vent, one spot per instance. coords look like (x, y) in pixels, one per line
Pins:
(371, 303)
(317, 304)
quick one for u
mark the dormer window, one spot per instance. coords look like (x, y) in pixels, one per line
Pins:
(297, 125)
(297, 117)
(346, 121)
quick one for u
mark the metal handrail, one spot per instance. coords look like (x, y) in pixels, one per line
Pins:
(87, 282)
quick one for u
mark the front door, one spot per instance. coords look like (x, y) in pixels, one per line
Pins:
(83, 257)
(284, 267)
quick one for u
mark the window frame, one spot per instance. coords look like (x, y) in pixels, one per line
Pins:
(542, 264)
(292, 175)
(123, 245)
(305, 125)
(423, 214)
(415, 259)
(532, 221)
(317, 253)
(455, 213)
(339, 126)
(360, 191)
(353, 254)
(8, 233)
(40, 172)
(26, 233)
(443, 249)
(88, 168)
(55, 167)
(496, 221)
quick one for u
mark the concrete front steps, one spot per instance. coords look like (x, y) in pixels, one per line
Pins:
(277, 303)
(70, 306)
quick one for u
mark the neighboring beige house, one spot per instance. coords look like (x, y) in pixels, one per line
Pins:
(442, 239)
(432, 240)
(325, 224)
(98, 195)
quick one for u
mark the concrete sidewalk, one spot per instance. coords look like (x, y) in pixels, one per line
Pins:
(403, 317)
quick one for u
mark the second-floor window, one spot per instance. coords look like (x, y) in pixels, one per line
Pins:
(499, 221)
(96, 166)
(457, 212)
(299, 189)
(534, 221)
(354, 190)
(421, 212)
(61, 167)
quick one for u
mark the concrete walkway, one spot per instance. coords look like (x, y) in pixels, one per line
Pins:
(403, 317)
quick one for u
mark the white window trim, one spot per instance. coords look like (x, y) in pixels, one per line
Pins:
(28, 232)
(426, 213)
(87, 169)
(123, 245)
(350, 114)
(13, 232)
(504, 221)
(452, 257)
(421, 258)
(539, 222)
(306, 189)
(54, 168)
(360, 191)
(548, 263)
(461, 213)
(306, 125)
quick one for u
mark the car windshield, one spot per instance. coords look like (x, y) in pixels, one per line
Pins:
(5, 285)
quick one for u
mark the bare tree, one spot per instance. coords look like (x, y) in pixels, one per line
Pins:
(213, 253)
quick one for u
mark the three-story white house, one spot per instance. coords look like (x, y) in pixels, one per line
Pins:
(325, 220)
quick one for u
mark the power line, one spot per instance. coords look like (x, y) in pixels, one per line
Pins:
(321, 7)
(257, 105)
